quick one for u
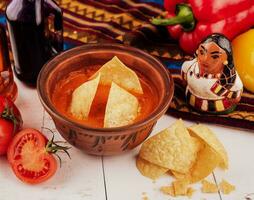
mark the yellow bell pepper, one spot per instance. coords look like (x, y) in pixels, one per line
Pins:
(243, 54)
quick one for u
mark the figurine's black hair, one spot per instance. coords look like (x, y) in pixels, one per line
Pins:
(228, 76)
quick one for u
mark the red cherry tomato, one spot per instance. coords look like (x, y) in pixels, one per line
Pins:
(6, 134)
(29, 157)
(10, 122)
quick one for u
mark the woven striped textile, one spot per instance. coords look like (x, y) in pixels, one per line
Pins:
(127, 22)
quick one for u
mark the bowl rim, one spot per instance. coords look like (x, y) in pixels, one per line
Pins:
(156, 114)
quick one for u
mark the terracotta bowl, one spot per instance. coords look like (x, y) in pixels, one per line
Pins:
(104, 141)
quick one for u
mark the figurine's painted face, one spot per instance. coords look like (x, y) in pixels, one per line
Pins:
(210, 58)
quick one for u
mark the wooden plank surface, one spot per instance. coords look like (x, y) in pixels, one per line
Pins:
(79, 178)
(86, 177)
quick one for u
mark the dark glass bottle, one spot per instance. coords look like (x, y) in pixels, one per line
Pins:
(31, 41)
(8, 88)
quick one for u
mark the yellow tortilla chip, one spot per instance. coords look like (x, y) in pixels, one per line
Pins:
(187, 176)
(82, 98)
(226, 187)
(122, 107)
(208, 187)
(210, 139)
(207, 161)
(189, 162)
(150, 170)
(114, 70)
(172, 148)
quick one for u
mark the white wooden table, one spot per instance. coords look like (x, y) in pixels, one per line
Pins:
(86, 177)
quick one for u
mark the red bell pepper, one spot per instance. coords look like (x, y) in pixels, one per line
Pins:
(190, 21)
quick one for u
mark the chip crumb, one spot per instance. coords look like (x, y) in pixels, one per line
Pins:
(168, 190)
(226, 187)
(208, 187)
(180, 187)
(144, 196)
(190, 192)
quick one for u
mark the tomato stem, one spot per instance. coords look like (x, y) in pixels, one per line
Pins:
(53, 148)
(8, 114)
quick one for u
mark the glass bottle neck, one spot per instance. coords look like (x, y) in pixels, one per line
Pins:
(25, 11)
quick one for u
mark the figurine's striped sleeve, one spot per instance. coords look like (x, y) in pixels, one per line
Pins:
(218, 89)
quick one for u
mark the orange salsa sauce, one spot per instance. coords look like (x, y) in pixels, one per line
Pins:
(62, 96)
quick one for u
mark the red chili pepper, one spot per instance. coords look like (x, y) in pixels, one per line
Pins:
(190, 21)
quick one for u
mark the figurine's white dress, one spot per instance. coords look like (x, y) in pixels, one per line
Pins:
(202, 92)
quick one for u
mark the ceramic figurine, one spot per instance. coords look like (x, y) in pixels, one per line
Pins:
(212, 83)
